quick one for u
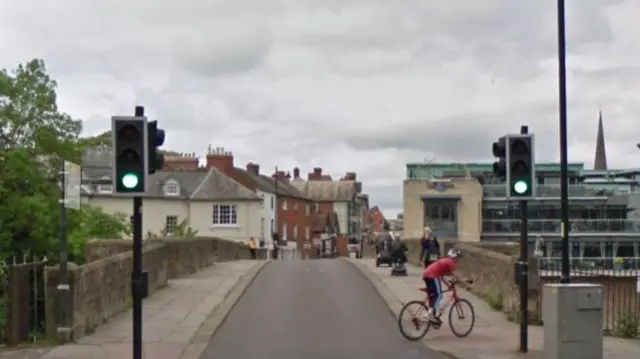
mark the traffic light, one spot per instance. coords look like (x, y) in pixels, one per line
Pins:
(155, 139)
(130, 162)
(521, 170)
(499, 150)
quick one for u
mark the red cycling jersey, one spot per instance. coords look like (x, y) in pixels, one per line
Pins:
(440, 268)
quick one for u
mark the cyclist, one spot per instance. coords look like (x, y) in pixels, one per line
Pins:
(433, 275)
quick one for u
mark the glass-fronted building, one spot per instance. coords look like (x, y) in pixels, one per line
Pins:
(604, 208)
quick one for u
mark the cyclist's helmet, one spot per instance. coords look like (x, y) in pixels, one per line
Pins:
(454, 253)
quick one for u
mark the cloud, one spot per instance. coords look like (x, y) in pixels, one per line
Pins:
(347, 85)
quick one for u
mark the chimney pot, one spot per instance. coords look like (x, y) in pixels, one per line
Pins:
(296, 173)
(317, 170)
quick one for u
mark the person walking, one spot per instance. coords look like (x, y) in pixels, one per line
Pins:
(253, 246)
(430, 247)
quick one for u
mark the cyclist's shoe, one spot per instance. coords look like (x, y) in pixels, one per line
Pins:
(432, 316)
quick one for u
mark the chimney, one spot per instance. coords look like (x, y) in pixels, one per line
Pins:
(349, 176)
(288, 176)
(316, 175)
(221, 159)
(180, 161)
(253, 168)
(296, 173)
(280, 175)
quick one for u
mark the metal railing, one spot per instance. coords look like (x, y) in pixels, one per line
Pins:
(548, 190)
(553, 225)
(601, 266)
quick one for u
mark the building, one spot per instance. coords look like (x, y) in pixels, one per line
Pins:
(288, 212)
(204, 200)
(340, 196)
(463, 201)
(377, 220)
(396, 224)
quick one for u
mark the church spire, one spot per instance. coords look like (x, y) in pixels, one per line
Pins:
(600, 162)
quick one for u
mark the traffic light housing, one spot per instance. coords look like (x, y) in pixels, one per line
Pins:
(499, 150)
(521, 166)
(130, 161)
(155, 139)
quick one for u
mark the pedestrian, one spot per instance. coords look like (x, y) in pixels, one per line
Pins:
(252, 248)
(275, 237)
(430, 247)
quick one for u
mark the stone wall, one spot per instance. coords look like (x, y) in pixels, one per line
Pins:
(491, 266)
(101, 288)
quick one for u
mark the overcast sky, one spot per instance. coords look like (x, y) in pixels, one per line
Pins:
(346, 85)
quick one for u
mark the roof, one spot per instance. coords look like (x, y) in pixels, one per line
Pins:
(202, 185)
(268, 184)
(329, 191)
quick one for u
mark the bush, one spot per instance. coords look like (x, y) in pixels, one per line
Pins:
(627, 325)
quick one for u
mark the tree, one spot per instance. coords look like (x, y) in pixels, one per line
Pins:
(35, 137)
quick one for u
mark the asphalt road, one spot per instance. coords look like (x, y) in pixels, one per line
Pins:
(312, 309)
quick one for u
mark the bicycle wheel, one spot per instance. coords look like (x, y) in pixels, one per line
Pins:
(462, 309)
(416, 323)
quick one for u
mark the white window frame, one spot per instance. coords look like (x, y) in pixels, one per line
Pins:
(295, 206)
(262, 200)
(262, 227)
(307, 210)
(284, 204)
(104, 188)
(172, 188)
(272, 201)
(224, 215)
(307, 233)
(167, 224)
(284, 231)
(273, 226)
(295, 232)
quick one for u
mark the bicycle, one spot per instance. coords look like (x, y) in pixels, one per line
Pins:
(455, 304)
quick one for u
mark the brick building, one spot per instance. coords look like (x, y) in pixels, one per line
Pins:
(377, 220)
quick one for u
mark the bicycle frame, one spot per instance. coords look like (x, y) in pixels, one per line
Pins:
(453, 298)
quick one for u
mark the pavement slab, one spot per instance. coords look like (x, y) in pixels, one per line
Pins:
(172, 317)
(493, 337)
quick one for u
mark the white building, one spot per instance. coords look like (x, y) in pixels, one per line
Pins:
(206, 201)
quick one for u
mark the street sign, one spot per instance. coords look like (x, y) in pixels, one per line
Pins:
(72, 183)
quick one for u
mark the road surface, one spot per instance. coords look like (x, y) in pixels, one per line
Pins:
(312, 309)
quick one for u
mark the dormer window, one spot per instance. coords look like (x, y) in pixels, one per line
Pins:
(172, 188)
(104, 188)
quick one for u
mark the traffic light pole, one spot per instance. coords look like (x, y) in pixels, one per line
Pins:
(524, 278)
(564, 180)
(137, 282)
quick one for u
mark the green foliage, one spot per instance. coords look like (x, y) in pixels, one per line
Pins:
(35, 137)
(182, 230)
(495, 299)
(627, 325)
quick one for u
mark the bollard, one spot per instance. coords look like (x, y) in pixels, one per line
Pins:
(572, 316)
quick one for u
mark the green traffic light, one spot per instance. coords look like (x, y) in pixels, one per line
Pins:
(130, 181)
(520, 187)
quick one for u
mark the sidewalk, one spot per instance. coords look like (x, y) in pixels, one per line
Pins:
(172, 317)
(493, 337)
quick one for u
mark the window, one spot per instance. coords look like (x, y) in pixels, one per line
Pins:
(441, 216)
(284, 231)
(262, 200)
(317, 205)
(272, 200)
(225, 214)
(273, 227)
(295, 206)
(307, 210)
(284, 204)
(170, 224)
(171, 188)
(306, 233)
(105, 188)
(262, 227)
(295, 232)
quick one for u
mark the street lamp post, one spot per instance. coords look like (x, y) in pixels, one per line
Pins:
(564, 180)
